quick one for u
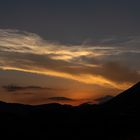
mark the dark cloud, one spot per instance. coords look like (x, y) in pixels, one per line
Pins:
(63, 22)
(60, 99)
(13, 88)
(130, 59)
(116, 71)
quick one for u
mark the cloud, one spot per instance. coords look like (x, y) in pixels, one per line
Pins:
(24, 42)
(13, 88)
(87, 63)
(119, 72)
(60, 99)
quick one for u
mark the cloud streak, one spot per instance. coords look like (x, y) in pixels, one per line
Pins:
(13, 88)
(89, 64)
(60, 99)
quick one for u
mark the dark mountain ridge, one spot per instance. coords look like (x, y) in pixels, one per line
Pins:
(129, 96)
(117, 119)
(126, 102)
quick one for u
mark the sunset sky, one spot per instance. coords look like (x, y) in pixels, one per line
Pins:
(68, 51)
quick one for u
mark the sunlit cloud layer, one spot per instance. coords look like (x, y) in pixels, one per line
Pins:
(108, 62)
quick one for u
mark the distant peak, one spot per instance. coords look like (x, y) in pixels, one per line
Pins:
(129, 97)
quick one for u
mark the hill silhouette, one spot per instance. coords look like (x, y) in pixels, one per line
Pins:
(117, 119)
(130, 96)
(126, 102)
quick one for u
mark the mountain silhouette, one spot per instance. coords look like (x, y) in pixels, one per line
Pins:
(116, 119)
(127, 101)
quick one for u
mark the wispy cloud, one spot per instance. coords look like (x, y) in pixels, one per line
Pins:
(13, 88)
(87, 63)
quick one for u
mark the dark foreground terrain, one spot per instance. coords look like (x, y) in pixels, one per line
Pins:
(117, 119)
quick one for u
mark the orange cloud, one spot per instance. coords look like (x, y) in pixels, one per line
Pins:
(28, 52)
(84, 78)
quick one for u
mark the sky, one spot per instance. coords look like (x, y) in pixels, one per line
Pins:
(68, 51)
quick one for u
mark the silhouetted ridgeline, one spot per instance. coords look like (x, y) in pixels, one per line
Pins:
(117, 119)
